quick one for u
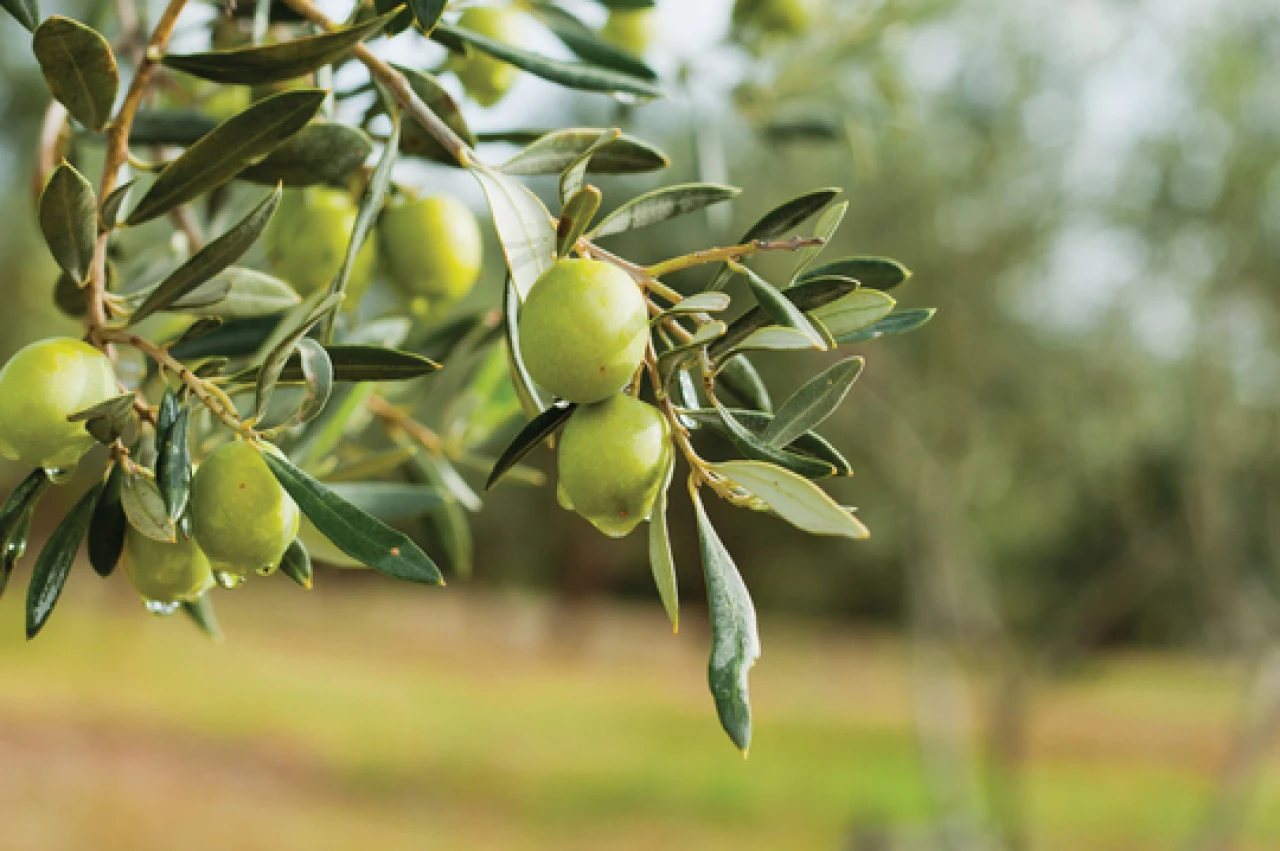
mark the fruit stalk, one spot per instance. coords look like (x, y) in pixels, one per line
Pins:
(208, 394)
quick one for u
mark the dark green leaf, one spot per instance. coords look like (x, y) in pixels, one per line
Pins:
(427, 13)
(663, 204)
(15, 521)
(575, 218)
(238, 293)
(808, 296)
(26, 12)
(210, 260)
(573, 75)
(112, 203)
(415, 141)
(233, 339)
(674, 359)
(588, 46)
(304, 318)
(818, 399)
(739, 376)
(54, 562)
(321, 152)
(358, 534)
(895, 323)
(173, 455)
(389, 501)
(296, 563)
(877, 273)
(537, 430)
(69, 221)
(201, 613)
(756, 449)
(661, 561)
(171, 128)
(524, 227)
(107, 527)
(735, 643)
(824, 228)
(107, 420)
(553, 152)
(781, 309)
(403, 19)
(810, 443)
(628, 4)
(793, 498)
(853, 312)
(78, 66)
(145, 507)
(227, 150)
(777, 222)
(274, 63)
(357, 363)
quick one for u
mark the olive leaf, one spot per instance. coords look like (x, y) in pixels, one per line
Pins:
(675, 358)
(756, 449)
(793, 498)
(575, 218)
(807, 296)
(173, 455)
(323, 152)
(810, 443)
(389, 501)
(110, 212)
(274, 63)
(145, 507)
(170, 127)
(15, 520)
(572, 75)
(735, 641)
(237, 293)
(526, 390)
(586, 45)
(357, 533)
(824, 228)
(899, 322)
(69, 220)
(415, 141)
(818, 399)
(524, 227)
(854, 312)
(739, 376)
(296, 563)
(712, 302)
(355, 363)
(211, 259)
(553, 152)
(286, 339)
(661, 561)
(781, 309)
(878, 273)
(427, 13)
(49, 575)
(79, 68)
(575, 173)
(227, 150)
(779, 221)
(25, 12)
(108, 525)
(107, 420)
(317, 375)
(201, 613)
(662, 204)
(535, 432)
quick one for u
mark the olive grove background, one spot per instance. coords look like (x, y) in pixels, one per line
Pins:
(1062, 632)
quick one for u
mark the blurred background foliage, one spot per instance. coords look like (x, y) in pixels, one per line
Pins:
(1081, 449)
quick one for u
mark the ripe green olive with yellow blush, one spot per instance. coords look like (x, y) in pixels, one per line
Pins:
(307, 241)
(612, 460)
(583, 330)
(629, 29)
(431, 250)
(240, 516)
(165, 573)
(40, 386)
(776, 17)
(485, 78)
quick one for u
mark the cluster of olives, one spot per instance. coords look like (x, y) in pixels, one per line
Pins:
(241, 519)
(430, 249)
(584, 330)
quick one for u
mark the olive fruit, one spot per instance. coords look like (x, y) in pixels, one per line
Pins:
(307, 241)
(165, 573)
(775, 17)
(241, 517)
(431, 250)
(40, 387)
(485, 78)
(583, 330)
(612, 460)
(629, 29)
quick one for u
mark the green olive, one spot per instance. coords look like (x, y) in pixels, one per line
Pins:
(583, 330)
(486, 79)
(241, 517)
(163, 572)
(40, 387)
(431, 251)
(307, 241)
(776, 17)
(612, 459)
(629, 29)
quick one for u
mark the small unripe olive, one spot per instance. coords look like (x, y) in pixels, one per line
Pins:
(40, 387)
(163, 572)
(776, 17)
(240, 516)
(486, 79)
(583, 330)
(612, 458)
(629, 29)
(431, 250)
(307, 241)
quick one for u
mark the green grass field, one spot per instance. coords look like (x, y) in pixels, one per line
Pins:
(370, 716)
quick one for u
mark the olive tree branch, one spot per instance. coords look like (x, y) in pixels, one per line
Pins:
(397, 418)
(733, 252)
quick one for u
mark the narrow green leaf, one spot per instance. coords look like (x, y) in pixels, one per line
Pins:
(676, 358)
(305, 317)
(54, 562)
(145, 507)
(697, 303)
(807, 296)
(811, 443)
(735, 641)
(356, 533)
(201, 613)
(663, 204)
(524, 227)
(210, 260)
(575, 218)
(574, 174)
(173, 457)
(854, 312)
(274, 63)
(25, 12)
(573, 75)
(818, 399)
(110, 213)
(69, 221)
(388, 501)
(107, 526)
(227, 150)
(779, 221)
(356, 363)
(895, 323)
(296, 563)
(588, 46)
(317, 375)
(415, 141)
(756, 449)
(238, 293)
(535, 432)
(793, 498)
(553, 152)
(661, 561)
(825, 228)
(322, 152)
(877, 273)
(774, 339)
(79, 68)
(781, 309)
(526, 390)
(15, 521)
(739, 376)
(169, 127)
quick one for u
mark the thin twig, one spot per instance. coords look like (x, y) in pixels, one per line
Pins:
(733, 252)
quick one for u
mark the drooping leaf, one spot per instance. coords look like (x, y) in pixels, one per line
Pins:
(588, 46)
(285, 341)
(173, 455)
(808, 296)
(200, 611)
(355, 532)
(145, 507)
(553, 152)
(735, 641)
(756, 449)
(524, 227)
(108, 419)
(15, 520)
(317, 375)
(25, 12)
(782, 310)
(108, 524)
(739, 376)
(854, 312)
(575, 218)
(824, 228)
(818, 399)
(388, 501)
(210, 260)
(899, 322)
(877, 273)
(793, 498)
(663, 204)
(535, 432)
(54, 562)
(238, 293)
(296, 563)
(779, 221)
(661, 561)
(573, 75)
(274, 63)
(810, 443)
(69, 221)
(227, 150)
(79, 68)
(415, 141)
(169, 127)
(323, 152)
(574, 174)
